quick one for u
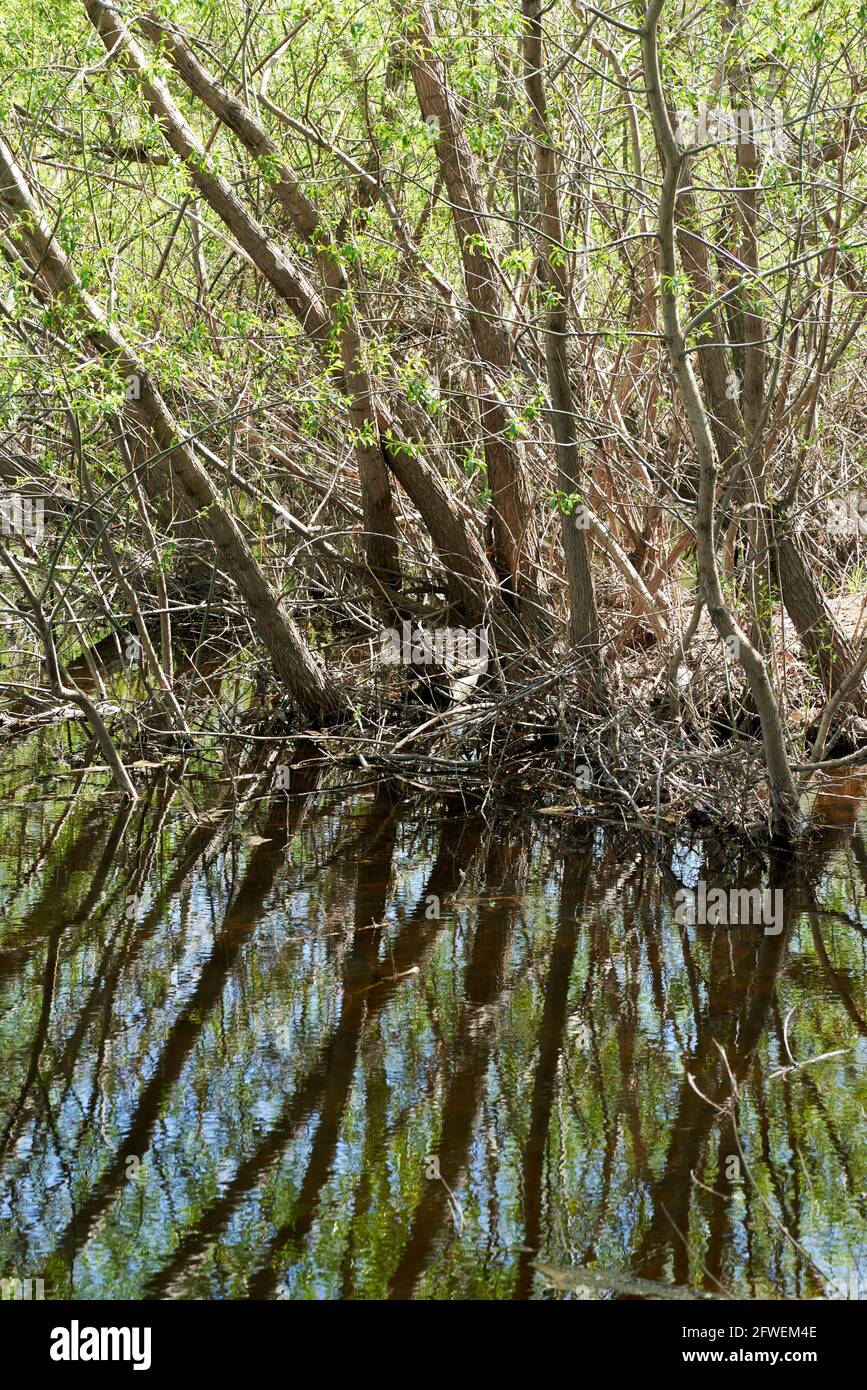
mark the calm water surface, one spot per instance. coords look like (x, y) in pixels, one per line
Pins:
(325, 1043)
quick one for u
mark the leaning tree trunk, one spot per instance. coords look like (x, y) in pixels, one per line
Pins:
(806, 605)
(274, 262)
(316, 694)
(515, 545)
(470, 578)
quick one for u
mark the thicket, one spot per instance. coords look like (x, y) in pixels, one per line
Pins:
(540, 322)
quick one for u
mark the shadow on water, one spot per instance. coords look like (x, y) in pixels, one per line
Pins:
(321, 1042)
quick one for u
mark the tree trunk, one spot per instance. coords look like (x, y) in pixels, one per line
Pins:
(514, 533)
(785, 816)
(583, 616)
(830, 650)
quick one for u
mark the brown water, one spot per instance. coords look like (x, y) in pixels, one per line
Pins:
(331, 1043)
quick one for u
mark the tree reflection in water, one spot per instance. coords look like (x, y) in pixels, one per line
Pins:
(349, 1047)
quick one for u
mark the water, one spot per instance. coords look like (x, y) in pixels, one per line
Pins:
(332, 1043)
